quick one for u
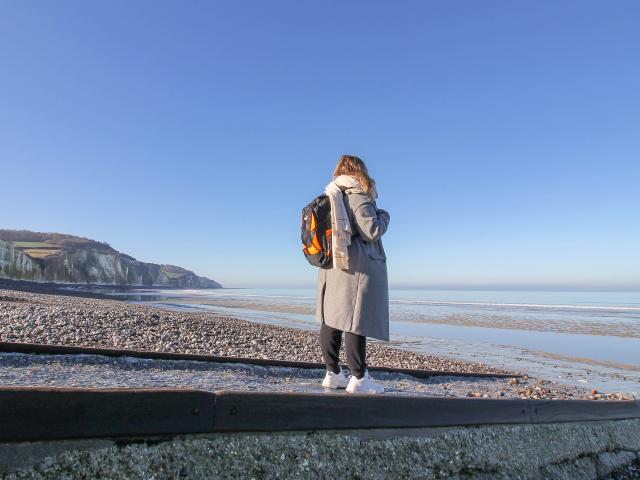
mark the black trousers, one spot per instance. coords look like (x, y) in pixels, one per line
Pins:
(355, 346)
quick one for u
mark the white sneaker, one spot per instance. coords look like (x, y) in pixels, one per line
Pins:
(364, 385)
(335, 380)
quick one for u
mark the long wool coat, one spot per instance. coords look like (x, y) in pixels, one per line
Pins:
(357, 300)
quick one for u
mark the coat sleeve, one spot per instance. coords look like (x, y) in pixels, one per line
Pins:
(371, 222)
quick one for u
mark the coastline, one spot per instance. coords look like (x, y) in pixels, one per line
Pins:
(93, 320)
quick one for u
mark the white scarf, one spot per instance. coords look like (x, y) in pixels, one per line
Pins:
(340, 226)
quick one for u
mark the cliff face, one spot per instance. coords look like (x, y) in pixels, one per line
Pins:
(88, 262)
(16, 264)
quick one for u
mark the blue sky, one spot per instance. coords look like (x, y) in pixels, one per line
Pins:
(504, 136)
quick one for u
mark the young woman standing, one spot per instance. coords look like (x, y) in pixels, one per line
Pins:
(352, 291)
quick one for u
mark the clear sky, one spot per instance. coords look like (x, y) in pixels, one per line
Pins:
(504, 136)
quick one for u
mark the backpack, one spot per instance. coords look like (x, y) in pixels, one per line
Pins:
(315, 231)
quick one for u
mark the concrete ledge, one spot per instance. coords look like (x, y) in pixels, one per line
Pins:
(559, 451)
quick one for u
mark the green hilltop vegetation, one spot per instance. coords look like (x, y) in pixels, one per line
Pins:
(41, 244)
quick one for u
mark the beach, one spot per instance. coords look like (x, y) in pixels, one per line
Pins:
(585, 339)
(93, 320)
(98, 322)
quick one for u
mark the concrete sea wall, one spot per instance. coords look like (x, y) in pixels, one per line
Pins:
(584, 450)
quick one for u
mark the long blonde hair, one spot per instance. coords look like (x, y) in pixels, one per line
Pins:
(354, 166)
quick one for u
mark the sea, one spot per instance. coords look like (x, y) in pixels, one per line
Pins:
(588, 339)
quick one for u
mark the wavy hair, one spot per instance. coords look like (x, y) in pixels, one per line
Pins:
(354, 166)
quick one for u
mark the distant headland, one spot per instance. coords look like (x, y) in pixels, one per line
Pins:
(68, 259)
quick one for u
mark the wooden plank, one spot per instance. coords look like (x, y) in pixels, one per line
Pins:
(42, 413)
(549, 411)
(247, 411)
(16, 347)
(55, 413)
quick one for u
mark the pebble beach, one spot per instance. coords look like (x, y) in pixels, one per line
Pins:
(98, 322)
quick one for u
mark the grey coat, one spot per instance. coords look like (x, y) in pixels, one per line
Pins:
(357, 300)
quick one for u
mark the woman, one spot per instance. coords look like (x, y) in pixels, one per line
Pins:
(352, 292)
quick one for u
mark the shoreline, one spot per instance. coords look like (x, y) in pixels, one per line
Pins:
(81, 290)
(58, 318)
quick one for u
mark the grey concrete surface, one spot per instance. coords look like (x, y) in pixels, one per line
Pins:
(556, 451)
